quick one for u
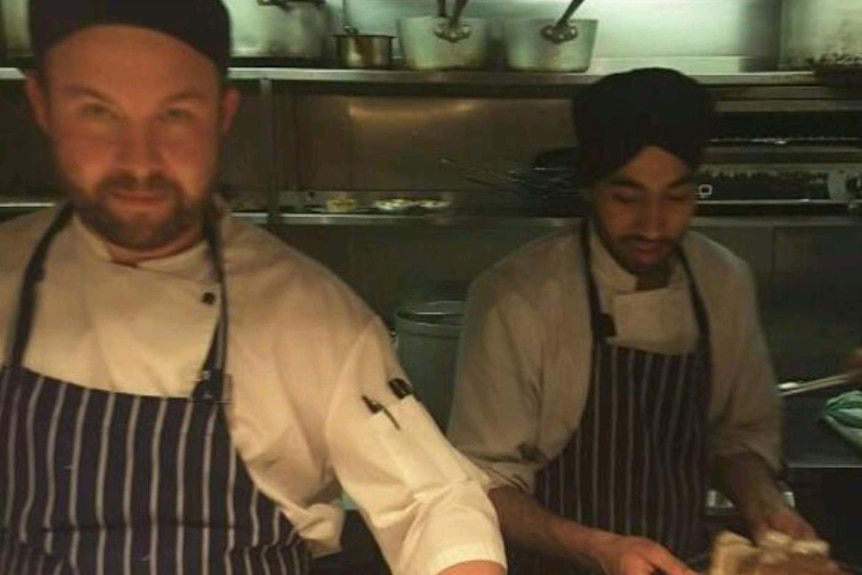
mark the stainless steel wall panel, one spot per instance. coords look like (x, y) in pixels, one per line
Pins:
(816, 316)
(25, 162)
(400, 266)
(246, 157)
(359, 142)
(752, 244)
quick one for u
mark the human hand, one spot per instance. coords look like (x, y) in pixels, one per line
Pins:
(621, 555)
(784, 520)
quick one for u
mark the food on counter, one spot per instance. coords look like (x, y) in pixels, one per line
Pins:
(393, 204)
(432, 204)
(775, 554)
(341, 205)
(405, 204)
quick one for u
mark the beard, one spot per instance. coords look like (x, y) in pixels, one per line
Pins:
(137, 231)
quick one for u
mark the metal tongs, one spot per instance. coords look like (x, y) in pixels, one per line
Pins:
(561, 31)
(452, 30)
(791, 388)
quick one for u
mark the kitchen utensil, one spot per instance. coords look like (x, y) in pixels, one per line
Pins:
(822, 34)
(562, 30)
(791, 388)
(357, 50)
(290, 29)
(547, 190)
(492, 178)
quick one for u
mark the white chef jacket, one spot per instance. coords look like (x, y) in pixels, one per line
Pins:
(302, 351)
(524, 361)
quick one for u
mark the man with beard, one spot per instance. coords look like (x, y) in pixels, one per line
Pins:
(182, 393)
(607, 373)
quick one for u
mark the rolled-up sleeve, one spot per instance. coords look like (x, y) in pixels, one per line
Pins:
(424, 502)
(745, 411)
(496, 407)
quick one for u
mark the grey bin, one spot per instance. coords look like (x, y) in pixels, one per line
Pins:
(428, 346)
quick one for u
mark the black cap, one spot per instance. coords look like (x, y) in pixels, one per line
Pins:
(202, 24)
(622, 113)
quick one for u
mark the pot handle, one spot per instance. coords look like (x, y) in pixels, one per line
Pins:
(286, 4)
(560, 31)
(452, 30)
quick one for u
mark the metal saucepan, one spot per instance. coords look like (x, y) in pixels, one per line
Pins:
(543, 45)
(442, 43)
(357, 50)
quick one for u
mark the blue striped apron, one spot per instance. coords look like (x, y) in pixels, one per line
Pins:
(637, 463)
(99, 483)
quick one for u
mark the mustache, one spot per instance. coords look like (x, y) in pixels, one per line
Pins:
(642, 240)
(127, 182)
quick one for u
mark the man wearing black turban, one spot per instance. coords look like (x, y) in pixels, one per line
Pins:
(606, 375)
(180, 392)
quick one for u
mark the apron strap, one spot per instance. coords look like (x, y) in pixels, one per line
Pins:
(699, 313)
(33, 274)
(213, 382)
(211, 386)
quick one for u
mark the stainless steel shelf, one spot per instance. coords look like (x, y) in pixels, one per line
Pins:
(515, 221)
(13, 208)
(483, 77)
(495, 78)
(10, 74)
(479, 221)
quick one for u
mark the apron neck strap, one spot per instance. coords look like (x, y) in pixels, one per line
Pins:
(33, 274)
(211, 386)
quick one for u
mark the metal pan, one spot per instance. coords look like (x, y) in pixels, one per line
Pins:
(542, 45)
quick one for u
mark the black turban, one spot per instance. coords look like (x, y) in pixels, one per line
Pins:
(622, 113)
(202, 24)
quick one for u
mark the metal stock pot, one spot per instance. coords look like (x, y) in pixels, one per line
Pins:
(824, 34)
(529, 49)
(364, 50)
(294, 29)
(17, 38)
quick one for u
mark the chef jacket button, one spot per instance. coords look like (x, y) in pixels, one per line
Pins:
(208, 298)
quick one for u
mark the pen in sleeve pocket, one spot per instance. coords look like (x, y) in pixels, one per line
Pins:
(400, 388)
(376, 407)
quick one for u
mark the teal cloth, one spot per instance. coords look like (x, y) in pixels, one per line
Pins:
(844, 414)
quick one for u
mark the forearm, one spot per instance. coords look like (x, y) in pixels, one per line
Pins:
(752, 486)
(475, 568)
(526, 523)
